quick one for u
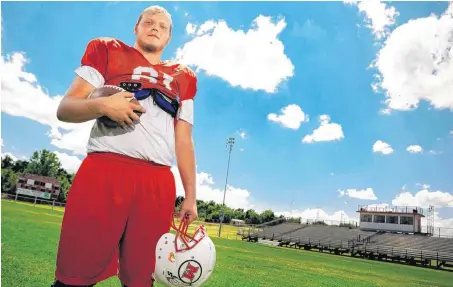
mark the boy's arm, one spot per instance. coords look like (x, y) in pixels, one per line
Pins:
(185, 150)
(185, 154)
(75, 107)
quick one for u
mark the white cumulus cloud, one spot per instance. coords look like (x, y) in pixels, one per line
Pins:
(424, 198)
(424, 185)
(443, 226)
(13, 157)
(22, 96)
(414, 149)
(325, 132)
(70, 163)
(312, 214)
(253, 59)
(382, 147)
(367, 193)
(74, 140)
(206, 191)
(378, 16)
(290, 117)
(415, 64)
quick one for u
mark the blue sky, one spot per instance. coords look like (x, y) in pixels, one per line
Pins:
(315, 57)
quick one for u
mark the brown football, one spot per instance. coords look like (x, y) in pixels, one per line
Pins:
(107, 91)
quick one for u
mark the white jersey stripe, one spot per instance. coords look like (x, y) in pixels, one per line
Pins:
(91, 75)
(186, 111)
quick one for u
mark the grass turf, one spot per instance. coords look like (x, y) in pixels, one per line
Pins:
(30, 238)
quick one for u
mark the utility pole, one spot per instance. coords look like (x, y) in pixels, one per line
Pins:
(229, 147)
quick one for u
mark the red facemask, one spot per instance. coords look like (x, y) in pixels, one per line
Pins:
(183, 240)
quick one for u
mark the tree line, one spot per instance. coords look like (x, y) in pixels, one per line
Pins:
(210, 211)
(46, 163)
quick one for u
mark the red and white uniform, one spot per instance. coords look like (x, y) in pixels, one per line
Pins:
(120, 203)
(108, 62)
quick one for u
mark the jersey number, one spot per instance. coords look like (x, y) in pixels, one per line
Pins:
(154, 75)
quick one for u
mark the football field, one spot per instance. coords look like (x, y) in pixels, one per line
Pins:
(30, 238)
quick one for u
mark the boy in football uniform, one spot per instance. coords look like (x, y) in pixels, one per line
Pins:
(122, 197)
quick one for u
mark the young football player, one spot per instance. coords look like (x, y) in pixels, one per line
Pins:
(122, 198)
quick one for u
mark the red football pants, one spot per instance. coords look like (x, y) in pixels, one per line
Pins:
(116, 211)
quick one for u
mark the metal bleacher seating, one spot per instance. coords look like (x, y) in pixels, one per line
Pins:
(328, 236)
(416, 246)
(309, 236)
(371, 244)
(277, 231)
(415, 242)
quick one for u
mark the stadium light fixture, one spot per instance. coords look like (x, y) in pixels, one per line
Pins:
(229, 148)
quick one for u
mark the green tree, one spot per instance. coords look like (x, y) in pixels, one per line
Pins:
(202, 209)
(215, 215)
(45, 163)
(252, 217)
(267, 215)
(239, 214)
(20, 166)
(7, 161)
(178, 201)
(9, 180)
(65, 184)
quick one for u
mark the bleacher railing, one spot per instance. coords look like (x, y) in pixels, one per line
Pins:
(406, 252)
(439, 231)
(34, 200)
(402, 209)
(354, 244)
(287, 239)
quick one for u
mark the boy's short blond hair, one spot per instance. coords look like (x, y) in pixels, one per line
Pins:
(156, 9)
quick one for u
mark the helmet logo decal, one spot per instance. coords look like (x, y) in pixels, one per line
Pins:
(171, 257)
(190, 271)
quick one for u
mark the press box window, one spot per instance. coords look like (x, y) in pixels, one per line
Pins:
(392, 219)
(407, 220)
(366, 218)
(379, 219)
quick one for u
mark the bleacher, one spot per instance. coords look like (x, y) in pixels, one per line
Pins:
(411, 248)
(325, 236)
(374, 245)
(274, 232)
(415, 242)
(308, 236)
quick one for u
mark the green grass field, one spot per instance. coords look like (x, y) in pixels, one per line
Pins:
(30, 238)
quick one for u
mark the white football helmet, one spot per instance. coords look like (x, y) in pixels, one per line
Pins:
(183, 259)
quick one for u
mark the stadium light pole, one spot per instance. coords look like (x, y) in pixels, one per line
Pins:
(229, 147)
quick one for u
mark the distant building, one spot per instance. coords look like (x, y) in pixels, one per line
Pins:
(404, 219)
(237, 222)
(38, 186)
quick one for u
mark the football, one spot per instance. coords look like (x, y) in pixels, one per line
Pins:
(107, 91)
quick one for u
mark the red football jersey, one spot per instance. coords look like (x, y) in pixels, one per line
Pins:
(109, 61)
(117, 62)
